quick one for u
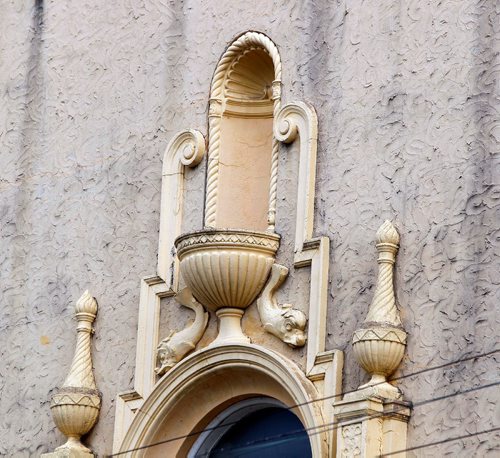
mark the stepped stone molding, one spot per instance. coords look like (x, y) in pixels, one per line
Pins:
(178, 344)
(282, 321)
(294, 121)
(75, 406)
(224, 77)
(186, 149)
(153, 290)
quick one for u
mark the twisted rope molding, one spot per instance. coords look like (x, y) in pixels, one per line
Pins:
(239, 46)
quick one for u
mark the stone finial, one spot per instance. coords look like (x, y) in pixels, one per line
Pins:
(383, 307)
(86, 304)
(379, 344)
(387, 233)
(75, 406)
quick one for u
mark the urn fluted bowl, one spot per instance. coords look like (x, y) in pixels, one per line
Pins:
(379, 350)
(75, 410)
(226, 268)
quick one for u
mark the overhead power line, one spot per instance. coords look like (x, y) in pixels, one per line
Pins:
(335, 424)
(225, 425)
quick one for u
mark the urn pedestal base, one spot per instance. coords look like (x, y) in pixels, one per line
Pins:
(230, 331)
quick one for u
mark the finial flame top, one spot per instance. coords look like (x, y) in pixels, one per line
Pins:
(86, 304)
(387, 233)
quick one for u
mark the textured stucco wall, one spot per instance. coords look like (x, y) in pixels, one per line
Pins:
(407, 95)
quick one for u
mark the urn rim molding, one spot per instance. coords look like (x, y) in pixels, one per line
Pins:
(234, 238)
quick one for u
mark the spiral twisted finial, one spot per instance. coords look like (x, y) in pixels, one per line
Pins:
(387, 233)
(383, 307)
(75, 406)
(86, 304)
(81, 374)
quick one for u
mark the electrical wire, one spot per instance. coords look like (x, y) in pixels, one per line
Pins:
(325, 427)
(430, 444)
(224, 425)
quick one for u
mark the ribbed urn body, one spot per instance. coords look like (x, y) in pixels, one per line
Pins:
(75, 410)
(379, 350)
(226, 268)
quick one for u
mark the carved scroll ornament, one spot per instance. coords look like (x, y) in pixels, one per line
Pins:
(186, 149)
(282, 321)
(178, 344)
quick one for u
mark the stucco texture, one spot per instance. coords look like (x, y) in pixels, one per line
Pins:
(408, 99)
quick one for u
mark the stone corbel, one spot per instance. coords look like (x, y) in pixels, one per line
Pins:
(282, 321)
(178, 344)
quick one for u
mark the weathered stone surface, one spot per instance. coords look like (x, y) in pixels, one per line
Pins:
(408, 103)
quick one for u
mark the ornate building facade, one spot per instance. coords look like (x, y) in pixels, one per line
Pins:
(285, 212)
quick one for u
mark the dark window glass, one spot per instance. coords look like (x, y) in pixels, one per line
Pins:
(271, 432)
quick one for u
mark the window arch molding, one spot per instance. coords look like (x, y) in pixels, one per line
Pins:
(190, 396)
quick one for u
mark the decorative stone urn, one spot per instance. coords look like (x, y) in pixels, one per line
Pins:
(226, 270)
(380, 343)
(75, 406)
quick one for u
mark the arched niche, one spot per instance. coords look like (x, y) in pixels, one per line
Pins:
(243, 153)
(189, 397)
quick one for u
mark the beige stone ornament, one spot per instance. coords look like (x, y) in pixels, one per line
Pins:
(75, 406)
(283, 321)
(379, 345)
(178, 344)
(372, 421)
(229, 262)
(226, 270)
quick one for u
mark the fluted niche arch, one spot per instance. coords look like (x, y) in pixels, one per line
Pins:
(245, 96)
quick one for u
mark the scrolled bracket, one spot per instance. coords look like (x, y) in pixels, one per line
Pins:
(178, 344)
(282, 321)
(186, 149)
